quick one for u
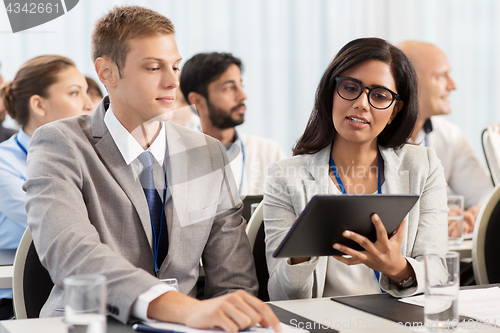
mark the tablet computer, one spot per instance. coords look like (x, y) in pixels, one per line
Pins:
(326, 216)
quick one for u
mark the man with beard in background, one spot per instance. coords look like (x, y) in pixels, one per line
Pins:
(212, 82)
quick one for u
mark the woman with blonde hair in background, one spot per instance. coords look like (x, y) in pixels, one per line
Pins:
(45, 89)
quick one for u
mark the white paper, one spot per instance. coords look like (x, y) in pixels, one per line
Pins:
(182, 328)
(479, 304)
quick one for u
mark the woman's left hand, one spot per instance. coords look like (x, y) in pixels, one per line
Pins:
(384, 255)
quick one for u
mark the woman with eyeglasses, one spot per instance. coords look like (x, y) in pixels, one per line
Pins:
(364, 112)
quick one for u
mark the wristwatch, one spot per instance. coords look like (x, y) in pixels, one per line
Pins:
(408, 282)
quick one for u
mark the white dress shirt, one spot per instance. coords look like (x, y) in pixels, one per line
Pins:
(464, 175)
(250, 157)
(130, 150)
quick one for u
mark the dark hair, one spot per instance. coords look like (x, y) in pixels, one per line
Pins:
(92, 85)
(33, 78)
(204, 68)
(320, 130)
(113, 31)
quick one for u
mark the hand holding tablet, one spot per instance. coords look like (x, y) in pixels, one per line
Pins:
(326, 217)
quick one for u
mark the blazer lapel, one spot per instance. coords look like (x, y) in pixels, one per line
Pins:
(122, 173)
(318, 167)
(177, 173)
(397, 181)
(397, 178)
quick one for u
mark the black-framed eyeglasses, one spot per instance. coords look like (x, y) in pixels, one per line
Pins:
(379, 97)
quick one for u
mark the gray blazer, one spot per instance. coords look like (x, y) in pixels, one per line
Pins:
(294, 181)
(88, 215)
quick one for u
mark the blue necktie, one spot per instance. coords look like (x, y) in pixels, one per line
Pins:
(155, 204)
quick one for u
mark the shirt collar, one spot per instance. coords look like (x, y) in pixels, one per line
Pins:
(234, 149)
(23, 138)
(422, 134)
(237, 139)
(428, 126)
(128, 145)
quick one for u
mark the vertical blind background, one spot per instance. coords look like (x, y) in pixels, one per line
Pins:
(286, 45)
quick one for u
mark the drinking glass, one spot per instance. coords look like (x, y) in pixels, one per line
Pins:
(172, 283)
(441, 291)
(86, 299)
(253, 207)
(455, 219)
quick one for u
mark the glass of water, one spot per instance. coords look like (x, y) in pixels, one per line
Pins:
(441, 291)
(172, 283)
(455, 219)
(253, 207)
(86, 299)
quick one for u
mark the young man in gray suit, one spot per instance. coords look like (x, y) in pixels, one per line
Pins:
(136, 199)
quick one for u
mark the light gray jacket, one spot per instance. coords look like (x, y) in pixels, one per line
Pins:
(88, 214)
(294, 181)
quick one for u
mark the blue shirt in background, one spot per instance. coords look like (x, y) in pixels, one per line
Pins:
(13, 218)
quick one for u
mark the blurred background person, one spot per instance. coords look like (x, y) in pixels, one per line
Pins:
(5, 133)
(462, 170)
(45, 89)
(94, 92)
(212, 82)
(182, 113)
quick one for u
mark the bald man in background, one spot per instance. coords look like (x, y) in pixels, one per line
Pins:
(463, 173)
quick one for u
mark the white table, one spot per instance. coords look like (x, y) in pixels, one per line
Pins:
(6, 273)
(323, 311)
(465, 250)
(346, 319)
(52, 325)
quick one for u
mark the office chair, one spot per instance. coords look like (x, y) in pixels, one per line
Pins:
(485, 243)
(31, 283)
(256, 236)
(491, 148)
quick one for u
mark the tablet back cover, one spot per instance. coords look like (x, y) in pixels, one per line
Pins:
(326, 216)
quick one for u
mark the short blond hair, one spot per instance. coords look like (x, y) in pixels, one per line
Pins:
(113, 31)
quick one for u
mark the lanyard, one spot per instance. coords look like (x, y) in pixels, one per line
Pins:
(20, 145)
(23, 150)
(242, 167)
(342, 188)
(341, 185)
(156, 243)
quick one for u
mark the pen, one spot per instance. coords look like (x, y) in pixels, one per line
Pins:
(149, 329)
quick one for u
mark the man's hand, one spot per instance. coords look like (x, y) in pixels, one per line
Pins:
(470, 216)
(232, 312)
